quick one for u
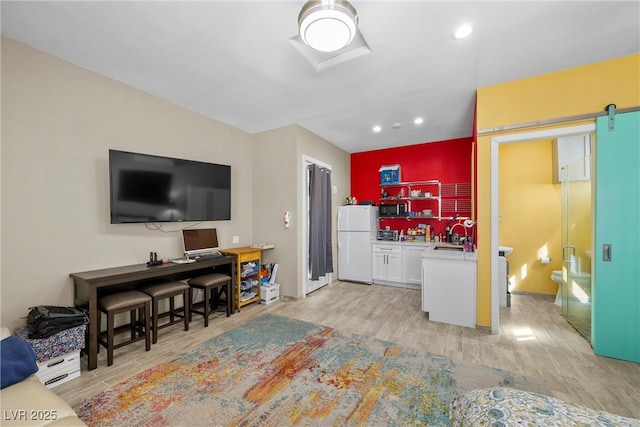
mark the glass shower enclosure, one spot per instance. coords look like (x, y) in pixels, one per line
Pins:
(576, 245)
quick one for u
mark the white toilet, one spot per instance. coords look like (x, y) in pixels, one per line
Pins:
(583, 280)
(556, 276)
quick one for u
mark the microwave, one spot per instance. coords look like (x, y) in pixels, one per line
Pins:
(392, 210)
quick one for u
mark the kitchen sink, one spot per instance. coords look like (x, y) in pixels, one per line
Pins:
(449, 251)
(449, 247)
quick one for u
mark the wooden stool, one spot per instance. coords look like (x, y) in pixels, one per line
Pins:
(121, 302)
(211, 283)
(168, 290)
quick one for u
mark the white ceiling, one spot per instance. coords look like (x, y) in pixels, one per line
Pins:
(234, 61)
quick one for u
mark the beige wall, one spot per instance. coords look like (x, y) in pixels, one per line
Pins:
(58, 122)
(279, 186)
(274, 191)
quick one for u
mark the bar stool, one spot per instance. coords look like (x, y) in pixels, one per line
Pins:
(121, 302)
(212, 285)
(169, 290)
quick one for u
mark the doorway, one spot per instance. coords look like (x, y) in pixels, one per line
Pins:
(496, 141)
(308, 284)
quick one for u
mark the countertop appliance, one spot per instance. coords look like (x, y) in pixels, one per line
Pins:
(396, 209)
(388, 235)
(449, 284)
(357, 228)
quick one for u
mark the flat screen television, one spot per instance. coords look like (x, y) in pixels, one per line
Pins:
(148, 188)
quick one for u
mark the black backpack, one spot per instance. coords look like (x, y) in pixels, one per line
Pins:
(46, 320)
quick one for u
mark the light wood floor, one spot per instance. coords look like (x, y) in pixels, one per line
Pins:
(534, 340)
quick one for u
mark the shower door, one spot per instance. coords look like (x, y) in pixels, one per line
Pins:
(576, 250)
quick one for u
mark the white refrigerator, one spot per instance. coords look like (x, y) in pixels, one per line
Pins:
(357, 229)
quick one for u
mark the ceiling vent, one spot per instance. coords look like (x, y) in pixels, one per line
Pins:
(323, 60)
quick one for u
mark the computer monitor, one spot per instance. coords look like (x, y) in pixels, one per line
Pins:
(200, 241)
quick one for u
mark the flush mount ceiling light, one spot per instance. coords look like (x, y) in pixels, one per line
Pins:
(327, 25)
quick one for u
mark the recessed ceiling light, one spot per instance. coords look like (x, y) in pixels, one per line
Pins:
(377, 128)
(396, 126)
(418, 120)
(462, 32)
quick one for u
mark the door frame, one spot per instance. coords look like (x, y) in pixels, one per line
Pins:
(496, 141)
(306, 161)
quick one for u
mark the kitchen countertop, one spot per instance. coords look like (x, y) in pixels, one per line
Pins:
(405, 243)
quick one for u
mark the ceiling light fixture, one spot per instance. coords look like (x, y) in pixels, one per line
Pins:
(418, 120)
(462, 32)
(327, 25)
(377, 128)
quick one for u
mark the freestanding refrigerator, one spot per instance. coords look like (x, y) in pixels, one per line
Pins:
(357, 228)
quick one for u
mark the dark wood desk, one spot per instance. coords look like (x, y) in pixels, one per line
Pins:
(89, 285)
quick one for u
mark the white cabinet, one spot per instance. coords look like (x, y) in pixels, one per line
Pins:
(412, 264)
(449, 288)
(388, 263)
(574, 151)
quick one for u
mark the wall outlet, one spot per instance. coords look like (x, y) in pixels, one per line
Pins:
(236, 239)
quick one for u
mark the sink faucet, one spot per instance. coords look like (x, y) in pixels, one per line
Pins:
(448, 229)
(461, 225)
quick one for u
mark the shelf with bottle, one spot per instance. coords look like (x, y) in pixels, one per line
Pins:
(411, 190)
(420, 198)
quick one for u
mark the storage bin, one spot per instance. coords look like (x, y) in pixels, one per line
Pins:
(390, 174)
(249, 269)
(247, 284)
(269, 294)
(58, 356)
(59, 370)
(63, 343)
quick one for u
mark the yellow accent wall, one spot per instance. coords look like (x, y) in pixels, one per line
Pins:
(529, 214)
(565, 93)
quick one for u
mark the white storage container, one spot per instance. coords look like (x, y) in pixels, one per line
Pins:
(59, 370)
(270, 293)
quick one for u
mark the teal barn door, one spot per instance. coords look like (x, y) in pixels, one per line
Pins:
(616, 257)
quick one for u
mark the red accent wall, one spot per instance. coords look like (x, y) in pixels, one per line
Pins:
(447, 161)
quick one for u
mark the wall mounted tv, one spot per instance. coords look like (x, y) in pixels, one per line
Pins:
(146, 188)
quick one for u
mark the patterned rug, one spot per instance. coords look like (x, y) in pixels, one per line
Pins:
(280, 371)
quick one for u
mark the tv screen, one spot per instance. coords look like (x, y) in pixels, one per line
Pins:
(147, 188)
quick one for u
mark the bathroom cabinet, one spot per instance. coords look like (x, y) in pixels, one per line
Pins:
(567, 150)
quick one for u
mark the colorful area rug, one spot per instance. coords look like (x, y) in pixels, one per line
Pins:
(280, 371)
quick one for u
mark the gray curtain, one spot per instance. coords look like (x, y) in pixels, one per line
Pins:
(320, 256)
